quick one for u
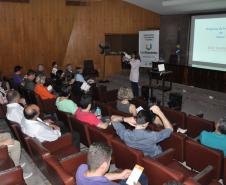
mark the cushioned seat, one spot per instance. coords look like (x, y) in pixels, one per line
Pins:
(5, 160)
(174, 165)
(198, 157)
(65, 151)
(12, 176)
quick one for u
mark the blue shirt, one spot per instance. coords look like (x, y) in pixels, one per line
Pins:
(79, 78)
(83, 180)
(141, 139)
(214, 140)
(17, 79)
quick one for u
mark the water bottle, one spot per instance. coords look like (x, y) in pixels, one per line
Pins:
(98, 112)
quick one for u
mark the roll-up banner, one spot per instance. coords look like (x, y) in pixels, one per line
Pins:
(149, 47)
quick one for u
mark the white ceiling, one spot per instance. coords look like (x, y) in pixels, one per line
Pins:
(181, 6)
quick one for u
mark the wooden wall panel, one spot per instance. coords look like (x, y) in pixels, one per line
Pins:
(46, 30)
(35, 32)
(107, 16)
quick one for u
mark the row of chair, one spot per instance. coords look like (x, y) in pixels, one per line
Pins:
(184, 149)
(9, 173)
(194, 124)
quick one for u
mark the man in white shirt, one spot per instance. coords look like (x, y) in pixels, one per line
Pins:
(14, 109)
(33, 126)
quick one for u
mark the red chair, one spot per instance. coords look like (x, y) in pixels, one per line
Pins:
(198, 157)
(63, 172)
(82, 129)
(158, 174)
(125, 157)
(97, 135)
(175, 117)
(2, 111)
(21, 137)
(164, 167)
(177, 142)
(5, 160)
(12, 176)
(195, 125)
(46, 106)
(65, 118)
(62, 147)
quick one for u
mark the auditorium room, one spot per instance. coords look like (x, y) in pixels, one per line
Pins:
(112, 92)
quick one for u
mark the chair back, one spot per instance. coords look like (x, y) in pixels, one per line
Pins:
(158, 174)
(65, 118)
(125, 157)
(175, 117)
(198, 157)
(177, 142)
(38, 151)
(81, 128)
(56, 173)
(21, 136)
(5, 160)
(97, 135)
(195, 125)
(72, 162)
(12, 176)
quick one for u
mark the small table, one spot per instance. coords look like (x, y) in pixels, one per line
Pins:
(164, 76)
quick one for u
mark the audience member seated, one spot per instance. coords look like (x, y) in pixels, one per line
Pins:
(29, 83)
(58, 82)
(14, 108)
(54, 70)
(14, 150)
(33, 126)
(217, 139)
(68, 73)
(3, 92)
(41, 90)
(124, 95)
(85, 115)
(98, 163)
(40, 70)
(78, 75)
(63, 102)
(140, 138)
(17, 77)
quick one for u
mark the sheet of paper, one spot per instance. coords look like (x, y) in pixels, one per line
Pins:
(135, 175)
(139, 109)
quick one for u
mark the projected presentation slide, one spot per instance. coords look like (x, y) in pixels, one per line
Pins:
(208, 42)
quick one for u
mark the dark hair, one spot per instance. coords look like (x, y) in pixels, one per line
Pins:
(31, 72)
(142, 117)
(54, 63)
(30, 113)
(12, 95)
(17, 68)
(222, 125)
(65, 91)
(98, 153)
(85, 101)
(173, 182)
(59, 74)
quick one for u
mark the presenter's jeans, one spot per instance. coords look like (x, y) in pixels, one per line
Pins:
(135, 88)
